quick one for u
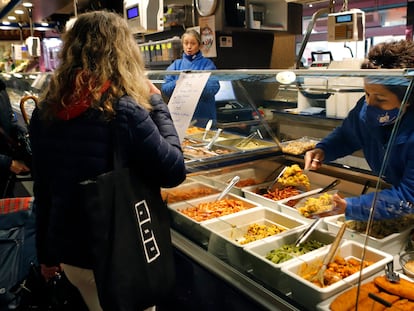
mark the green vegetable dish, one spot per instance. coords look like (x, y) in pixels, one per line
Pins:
(289, 251)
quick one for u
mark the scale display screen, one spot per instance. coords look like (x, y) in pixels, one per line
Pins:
(343, 18)
(132, 12)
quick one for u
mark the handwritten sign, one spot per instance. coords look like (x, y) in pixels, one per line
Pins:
(184, 99)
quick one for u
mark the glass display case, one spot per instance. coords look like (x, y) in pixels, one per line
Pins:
(266, 121)
(292, 111)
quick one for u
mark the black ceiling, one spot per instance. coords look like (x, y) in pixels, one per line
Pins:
(56, 10)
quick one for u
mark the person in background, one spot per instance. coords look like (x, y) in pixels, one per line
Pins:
(368, 127)
(9, 167)
(100, 84)
(193, 59)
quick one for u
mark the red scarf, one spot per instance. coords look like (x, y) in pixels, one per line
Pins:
(84, 103)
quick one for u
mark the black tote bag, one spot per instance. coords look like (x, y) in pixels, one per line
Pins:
(130, 240)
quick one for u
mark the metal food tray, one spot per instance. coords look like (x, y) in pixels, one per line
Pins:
(270, 272)
(210, 134)
(199, 152)
(192, 228)
(299, 146)
(392, 243)
(309, 294)
(253, 144)
(226, 230)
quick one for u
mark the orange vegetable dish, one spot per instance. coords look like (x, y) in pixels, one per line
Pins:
(280, 194)
(208, 210)
(336, 270)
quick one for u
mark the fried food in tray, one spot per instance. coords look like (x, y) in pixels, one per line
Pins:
(339, 269)
(194, 130)
(278, 194)
(294, 176)
(208, 210)
(186, 193)
(378, 294)
(244, 182)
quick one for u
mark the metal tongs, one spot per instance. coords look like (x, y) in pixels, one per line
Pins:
(249, 138)
(269, 188)
(230, 185)
(307, 232)
(207, 129)
(213, 140)
(390, 274)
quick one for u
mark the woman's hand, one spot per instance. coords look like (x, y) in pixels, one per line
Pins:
(340, 203)
(153, 88)
(314, 159)
(18, 167)
(49, 272)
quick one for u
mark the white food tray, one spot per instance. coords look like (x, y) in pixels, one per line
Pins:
(226, 231)
(392, 243)
(270, 272)
(310, 294)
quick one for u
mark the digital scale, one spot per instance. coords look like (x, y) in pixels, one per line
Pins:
(144, 15)
(321, 60)
(346, 26)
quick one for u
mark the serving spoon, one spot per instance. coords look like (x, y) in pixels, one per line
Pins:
(329, 256)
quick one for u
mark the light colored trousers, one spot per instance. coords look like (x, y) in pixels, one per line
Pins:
(84, 281)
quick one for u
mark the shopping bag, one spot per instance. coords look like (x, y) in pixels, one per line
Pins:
(130, 241)
(57, 294)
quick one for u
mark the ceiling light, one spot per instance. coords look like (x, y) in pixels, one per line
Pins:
(44, 24)
(11, 17)
(5, 22)
(27, 4)
(19, 12)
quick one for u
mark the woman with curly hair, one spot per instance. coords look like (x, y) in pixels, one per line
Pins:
(368, 127)
(100, 84)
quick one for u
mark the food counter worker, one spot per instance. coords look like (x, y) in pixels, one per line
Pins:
(193, 59)
(368, 127)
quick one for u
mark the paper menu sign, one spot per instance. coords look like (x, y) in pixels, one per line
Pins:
(184, 99)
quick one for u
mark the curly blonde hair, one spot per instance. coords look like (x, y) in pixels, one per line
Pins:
(98, 48)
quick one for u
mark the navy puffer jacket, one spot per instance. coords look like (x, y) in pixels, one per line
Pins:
(68, 152)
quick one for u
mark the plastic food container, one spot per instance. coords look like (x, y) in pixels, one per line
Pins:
(191, 227)
(228, 231)
(269, 272)
(317, 182)
(253, 144)
(310, 294)
(294, 210)
(392, 243)
(299, 146)
(407, 263)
